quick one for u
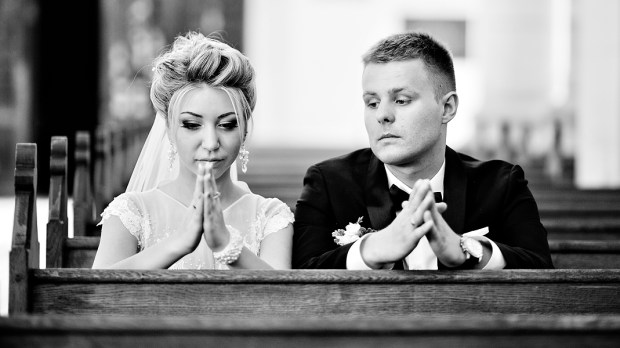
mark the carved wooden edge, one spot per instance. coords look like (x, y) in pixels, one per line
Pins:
(58, 222)
(471, 323)
(584, 246)
(58, 179)
(75, 275)
(25, 192)
(24, 253)
(82, 148)
(83, 201)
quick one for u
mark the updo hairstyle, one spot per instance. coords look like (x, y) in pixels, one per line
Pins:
(193, 61)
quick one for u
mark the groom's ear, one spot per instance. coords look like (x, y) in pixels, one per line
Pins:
(450, 102)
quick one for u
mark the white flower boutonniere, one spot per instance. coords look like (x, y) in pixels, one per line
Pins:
(351, 233)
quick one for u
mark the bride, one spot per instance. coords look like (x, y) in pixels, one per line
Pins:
(182, 209)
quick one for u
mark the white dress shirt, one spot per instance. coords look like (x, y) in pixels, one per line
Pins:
(423, 257)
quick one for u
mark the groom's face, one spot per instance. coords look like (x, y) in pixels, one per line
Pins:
(403, 120)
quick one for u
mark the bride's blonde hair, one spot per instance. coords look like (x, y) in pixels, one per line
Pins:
(194, 60)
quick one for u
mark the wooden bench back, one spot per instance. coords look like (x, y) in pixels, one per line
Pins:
(83, 200)
(416, 331)
(299, 293)
(24, 253)
(58, 222)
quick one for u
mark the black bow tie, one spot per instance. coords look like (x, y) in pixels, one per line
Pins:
(399, 196)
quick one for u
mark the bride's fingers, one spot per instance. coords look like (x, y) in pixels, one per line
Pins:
(211, 189)
(208, 201)
(198, 188)
(211, 182)
(216, 194)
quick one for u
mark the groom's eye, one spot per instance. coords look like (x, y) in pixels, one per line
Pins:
(372, 104)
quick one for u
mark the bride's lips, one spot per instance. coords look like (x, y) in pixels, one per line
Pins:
(211, 160)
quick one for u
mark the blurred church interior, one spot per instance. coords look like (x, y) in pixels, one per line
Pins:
(539, 81)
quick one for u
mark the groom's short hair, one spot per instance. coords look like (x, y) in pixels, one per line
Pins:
(417, 45)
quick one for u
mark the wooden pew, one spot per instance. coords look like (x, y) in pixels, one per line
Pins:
(80, 252)
(63, 251)
(297, 293)
(117, 148)
(582, 229)
(416, 331)
(58, 222)
(83, 200)
(338, 295)
(579, 254)
(24, 253)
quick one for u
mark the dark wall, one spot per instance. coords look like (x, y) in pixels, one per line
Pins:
(66, 76)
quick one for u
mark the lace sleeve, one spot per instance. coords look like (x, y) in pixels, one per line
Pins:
(277, 216)
(128, 212)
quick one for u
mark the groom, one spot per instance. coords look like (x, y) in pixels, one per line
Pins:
(396, 186)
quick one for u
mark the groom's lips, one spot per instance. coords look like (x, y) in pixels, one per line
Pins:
(387, 136)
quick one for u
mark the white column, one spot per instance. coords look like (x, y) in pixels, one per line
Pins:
(597, 93)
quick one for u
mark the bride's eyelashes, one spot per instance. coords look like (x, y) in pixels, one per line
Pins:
(228, 125)
(190, 125)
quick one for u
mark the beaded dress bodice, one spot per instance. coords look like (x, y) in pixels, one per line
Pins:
(153, 215)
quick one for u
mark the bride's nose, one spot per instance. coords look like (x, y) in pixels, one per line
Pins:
(210, 140)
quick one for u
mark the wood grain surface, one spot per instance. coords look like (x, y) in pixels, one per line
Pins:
(372, 331)
(324, 292)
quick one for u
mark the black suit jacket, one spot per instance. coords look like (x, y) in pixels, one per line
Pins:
(479, 194)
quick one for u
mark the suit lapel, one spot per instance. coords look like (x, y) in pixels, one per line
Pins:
(455, 191)
(377, 196)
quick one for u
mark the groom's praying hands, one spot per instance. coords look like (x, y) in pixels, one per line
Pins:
(413, 222)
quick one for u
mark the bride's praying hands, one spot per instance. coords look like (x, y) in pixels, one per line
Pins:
(225, 241)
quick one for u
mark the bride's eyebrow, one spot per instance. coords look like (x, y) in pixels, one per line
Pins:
(224, 115)
(191, 113)
(198, 115)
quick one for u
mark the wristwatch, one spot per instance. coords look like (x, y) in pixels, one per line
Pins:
(471, 247)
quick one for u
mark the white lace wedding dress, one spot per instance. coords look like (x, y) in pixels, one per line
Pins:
(153, 215)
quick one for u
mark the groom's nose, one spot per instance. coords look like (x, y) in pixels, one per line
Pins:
(385, 113)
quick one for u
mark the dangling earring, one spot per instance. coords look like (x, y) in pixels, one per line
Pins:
(244, 156)
(172, 155)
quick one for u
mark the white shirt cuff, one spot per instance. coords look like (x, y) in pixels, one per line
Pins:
(355, 260)
(497, 260)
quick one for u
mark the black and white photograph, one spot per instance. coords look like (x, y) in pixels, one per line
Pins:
(310, 173)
